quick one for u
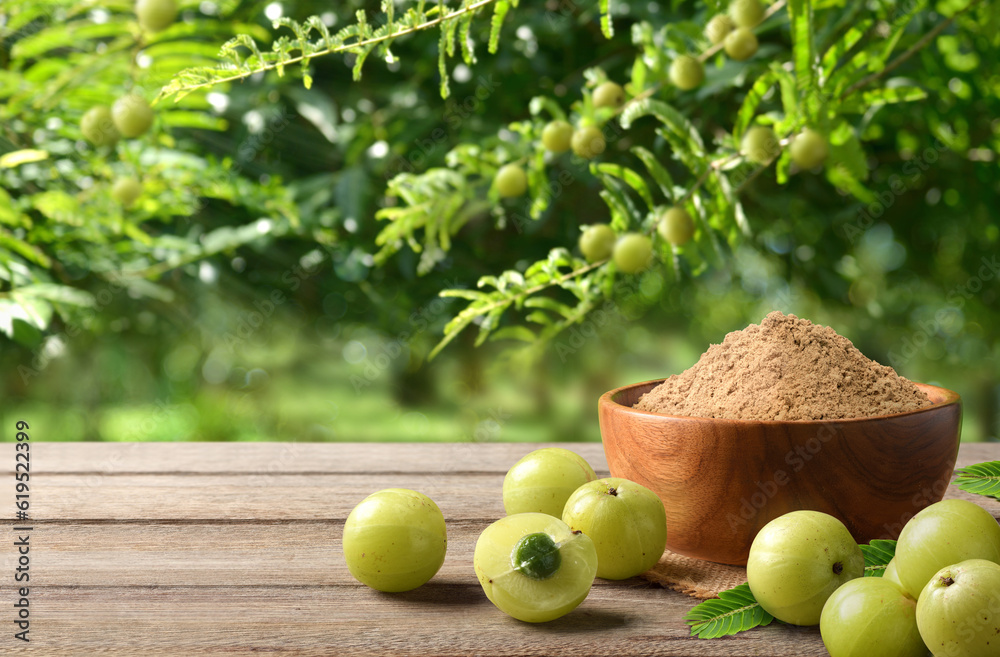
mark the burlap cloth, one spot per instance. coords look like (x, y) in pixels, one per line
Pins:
(699, 579)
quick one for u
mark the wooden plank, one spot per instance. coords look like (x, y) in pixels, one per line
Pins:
(265, 459)
(250, 498)
(273, 458)
(220, 553)
(241, 560)
(444, 618)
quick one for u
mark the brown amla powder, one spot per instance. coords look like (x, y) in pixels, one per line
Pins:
(785, 368)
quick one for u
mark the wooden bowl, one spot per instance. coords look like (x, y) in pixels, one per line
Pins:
(722, 480)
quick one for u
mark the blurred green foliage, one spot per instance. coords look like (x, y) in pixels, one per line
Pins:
(240, 299)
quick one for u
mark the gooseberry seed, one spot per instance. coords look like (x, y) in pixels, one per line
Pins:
(536, 556)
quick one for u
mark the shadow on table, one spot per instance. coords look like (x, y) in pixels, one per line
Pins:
(581, 621)
(440, 592)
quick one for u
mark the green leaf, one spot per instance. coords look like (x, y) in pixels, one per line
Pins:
(538, 104)
(11, 243)
(58, 294)
(889, 95)
(23, 156)
(630, 177)
(801, 17)
(835, 52)
(878, 554)
(899, 27)
(846, 152)
(752, 100)
(521, 333)
(34, 311)
(677, 130)
(980, 479)
(736, 610)
(606, 27)
(841, 177)
(660, 175)
(500, 10)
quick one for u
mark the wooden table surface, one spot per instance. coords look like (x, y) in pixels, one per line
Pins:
(195, 549)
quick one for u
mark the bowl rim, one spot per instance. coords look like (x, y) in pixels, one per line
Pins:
(951, 398)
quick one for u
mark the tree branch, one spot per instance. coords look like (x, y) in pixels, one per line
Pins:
(329, 51)
(910, 52)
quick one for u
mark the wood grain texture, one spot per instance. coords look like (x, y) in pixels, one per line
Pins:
(722, 480)
(151, 559)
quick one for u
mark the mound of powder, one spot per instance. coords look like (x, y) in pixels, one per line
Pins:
(785, 368)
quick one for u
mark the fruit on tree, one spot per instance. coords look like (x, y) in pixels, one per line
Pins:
(543, 480)
(741, 44)
(718, 27)
(132, 115)
(676, 226)
(511, 181)
(533, 567)
(588, 142)
(633, 253)
(626, 521)
(155, 15)
(395, 540)
(597, 242)
(687, 72)
(797, 560)
(126, 190)
(609, 94)
(941, 535)
(557, 136)
(958, 613)
(871, 617)
(746, 13)
(760, 145)
(98, 128)
(809, 149)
